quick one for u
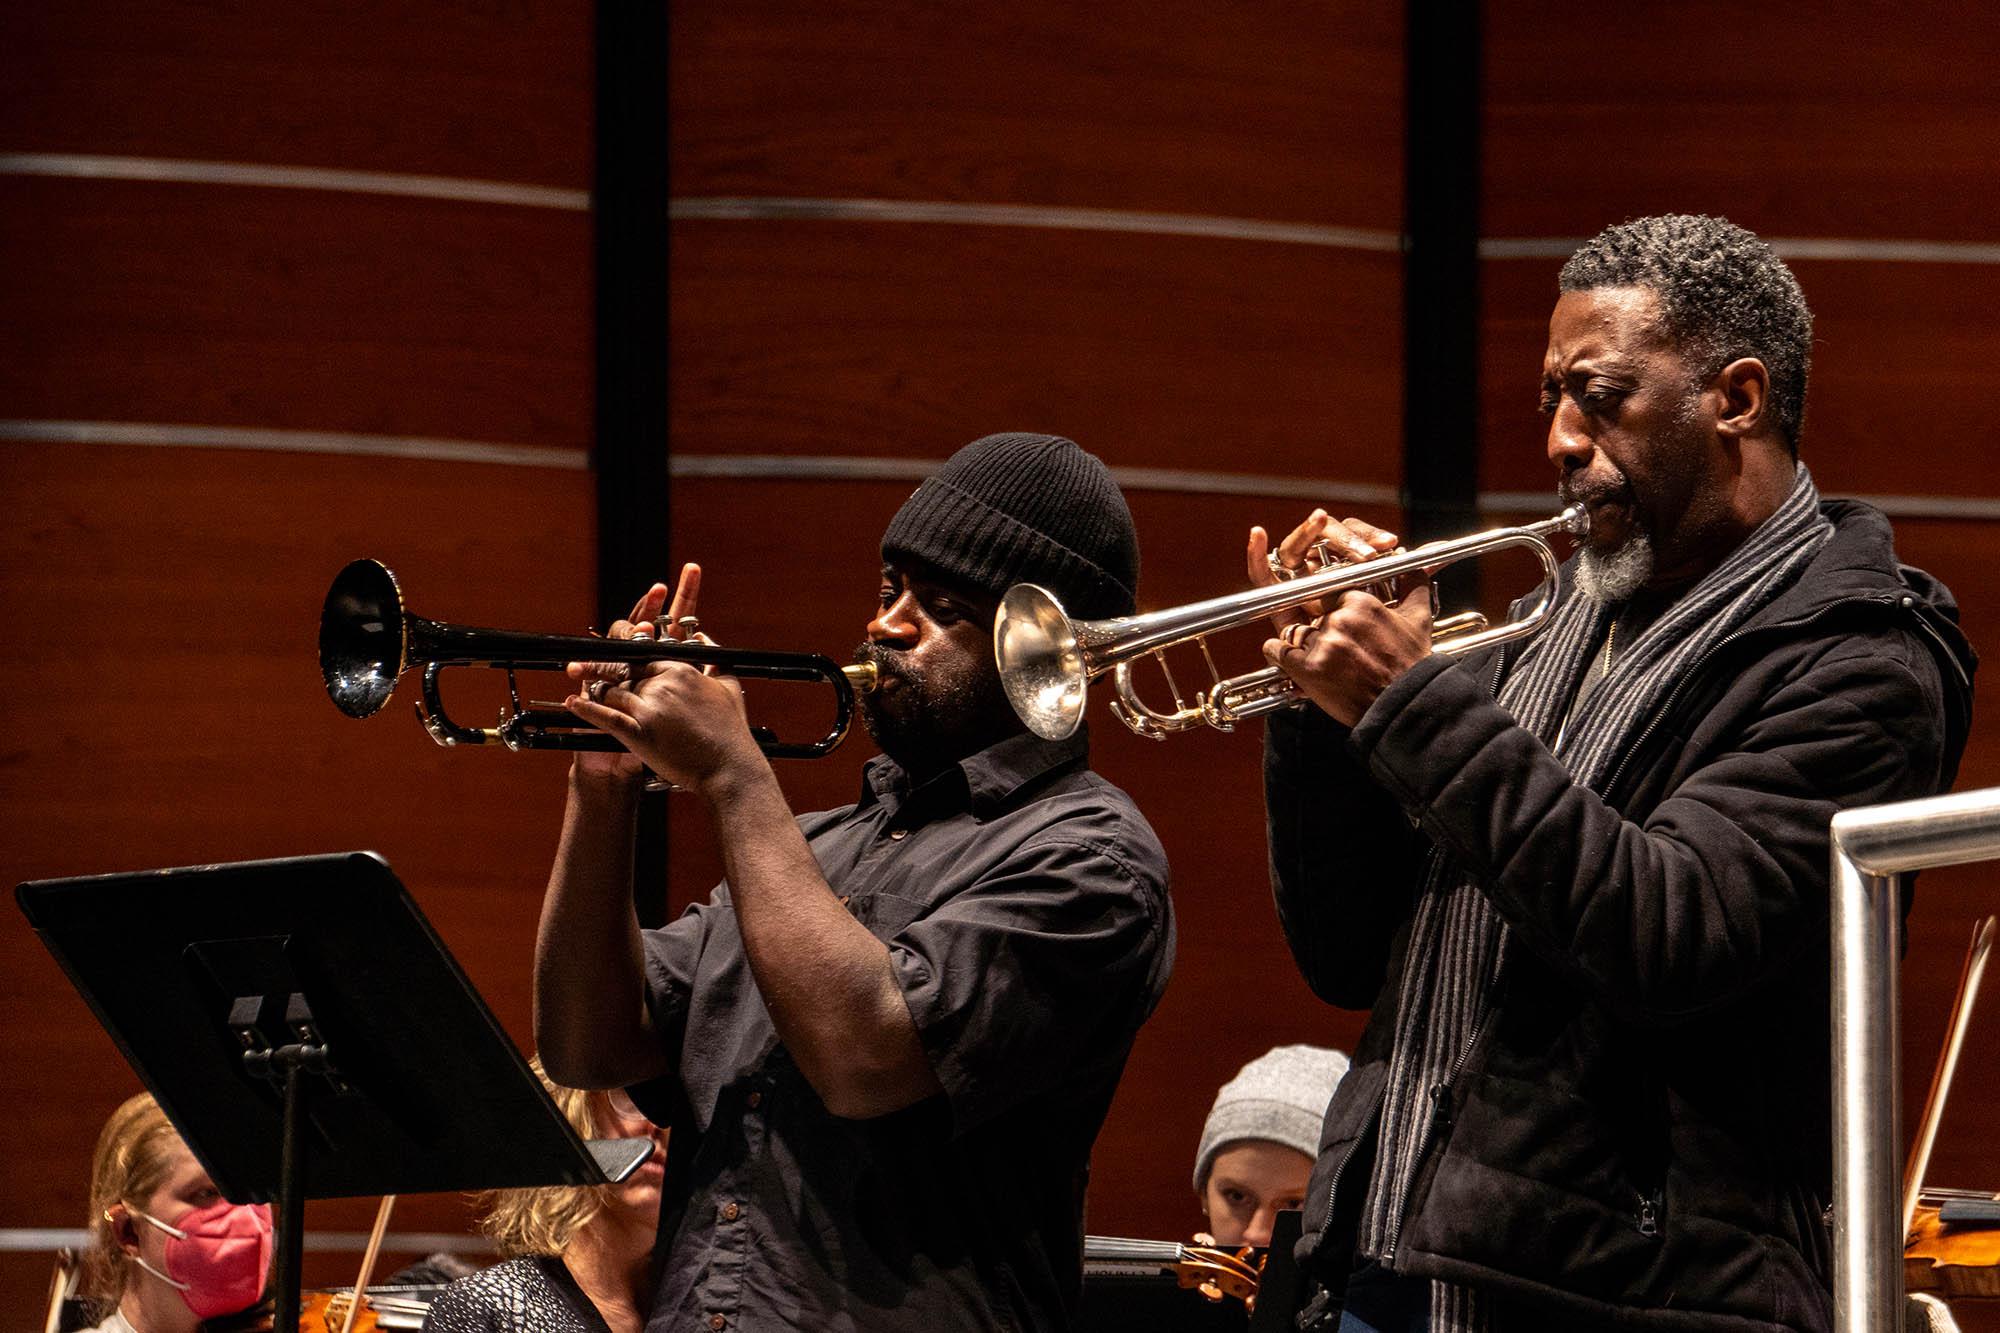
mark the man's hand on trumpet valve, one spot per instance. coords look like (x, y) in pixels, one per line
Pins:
(1313, 545)
(1345, 659)
(613, 687)
(1340, 659)
(687, 726)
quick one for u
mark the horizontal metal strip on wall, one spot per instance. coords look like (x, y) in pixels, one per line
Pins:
(96, 166)
(833, 467)
(87, 166)
(144, 433)
(838, 467)
(1034, 215)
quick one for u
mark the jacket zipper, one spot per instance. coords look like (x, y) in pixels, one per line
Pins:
(1650, 1207)
(1438, 1119)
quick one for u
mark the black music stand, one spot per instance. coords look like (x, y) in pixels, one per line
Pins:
(310, 1036)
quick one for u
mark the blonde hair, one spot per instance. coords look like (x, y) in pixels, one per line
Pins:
(543, 1219)
(135, 1154)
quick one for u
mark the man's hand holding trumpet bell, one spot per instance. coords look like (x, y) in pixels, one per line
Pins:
(1341, 657)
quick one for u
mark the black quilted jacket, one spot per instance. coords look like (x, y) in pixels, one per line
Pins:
(1639, 1136)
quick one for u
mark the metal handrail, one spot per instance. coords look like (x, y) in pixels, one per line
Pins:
(1873, 848)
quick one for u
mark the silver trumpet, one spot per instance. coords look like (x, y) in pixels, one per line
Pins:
(1048, 660)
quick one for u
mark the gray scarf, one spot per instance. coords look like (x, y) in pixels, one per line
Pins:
(1457, 941)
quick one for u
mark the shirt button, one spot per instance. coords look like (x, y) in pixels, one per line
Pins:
(754, 1100)
(730, 1212)
(897, 835)
(717, 1322)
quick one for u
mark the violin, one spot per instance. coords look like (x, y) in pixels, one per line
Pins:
(1941, 1253)
(1207, 1268)
(1948, 1258)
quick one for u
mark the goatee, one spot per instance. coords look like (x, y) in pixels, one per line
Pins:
(1609, 577)
(926, 722)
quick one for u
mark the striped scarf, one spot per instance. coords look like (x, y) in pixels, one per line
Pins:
(1457, 941)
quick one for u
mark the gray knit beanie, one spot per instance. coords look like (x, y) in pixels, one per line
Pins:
(1280, 1097)
(1021, 508)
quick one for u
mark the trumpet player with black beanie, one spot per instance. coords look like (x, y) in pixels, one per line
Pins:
(886, 1043)
(1582, 881)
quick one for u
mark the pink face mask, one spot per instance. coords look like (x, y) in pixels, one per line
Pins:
(216, 1256)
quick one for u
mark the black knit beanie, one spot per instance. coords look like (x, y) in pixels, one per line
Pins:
(1020, 508)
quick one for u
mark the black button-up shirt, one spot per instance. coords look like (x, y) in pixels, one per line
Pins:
(1024, 903)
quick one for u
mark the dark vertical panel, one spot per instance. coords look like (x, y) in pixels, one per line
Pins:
(1441, 273)
(629, 201)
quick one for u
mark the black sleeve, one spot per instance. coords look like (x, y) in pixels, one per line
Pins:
(1344, 856)
(1725, 880)
(1044, 968)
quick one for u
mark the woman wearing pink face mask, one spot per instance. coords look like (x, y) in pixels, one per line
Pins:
(168, 1252)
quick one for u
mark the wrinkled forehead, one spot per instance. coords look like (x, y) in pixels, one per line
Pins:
(1604, 323)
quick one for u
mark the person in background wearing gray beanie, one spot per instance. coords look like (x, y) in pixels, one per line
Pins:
(886, 1044)
(1258, 1145)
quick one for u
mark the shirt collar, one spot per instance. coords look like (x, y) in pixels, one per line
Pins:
(983, 783)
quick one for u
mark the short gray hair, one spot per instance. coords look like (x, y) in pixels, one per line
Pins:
(1723, 294)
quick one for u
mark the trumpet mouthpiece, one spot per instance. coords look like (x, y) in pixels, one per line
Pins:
(863, 676)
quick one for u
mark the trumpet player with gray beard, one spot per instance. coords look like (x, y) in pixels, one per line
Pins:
(1581, 882)
(887, 1042)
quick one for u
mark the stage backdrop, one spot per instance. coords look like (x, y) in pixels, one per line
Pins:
(287, 287)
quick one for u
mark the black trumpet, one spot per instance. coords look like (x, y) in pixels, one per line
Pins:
(367, 640)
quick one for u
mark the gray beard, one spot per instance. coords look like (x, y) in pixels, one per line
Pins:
(1611, 577)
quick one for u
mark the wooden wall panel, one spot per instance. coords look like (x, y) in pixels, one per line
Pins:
(1260, 110)
(306, 310)
(1849, 119)
(488, 89)
(161, 690)
(165, 708)
(900, 339)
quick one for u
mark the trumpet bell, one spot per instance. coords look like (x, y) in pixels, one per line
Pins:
(1041, 663)
(362, 643)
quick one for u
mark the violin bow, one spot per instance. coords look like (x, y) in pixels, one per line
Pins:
(61, 1285)
(368, 1261)
(1961, 1017)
